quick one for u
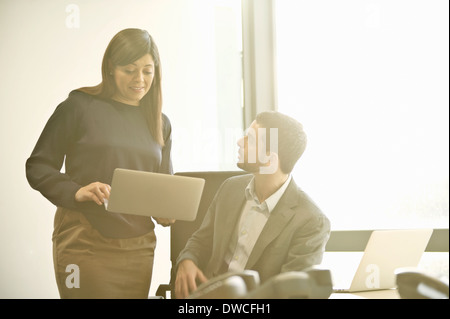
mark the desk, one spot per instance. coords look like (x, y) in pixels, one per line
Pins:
(375, 294)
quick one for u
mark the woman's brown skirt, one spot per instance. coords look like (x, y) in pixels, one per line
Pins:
(88, 265)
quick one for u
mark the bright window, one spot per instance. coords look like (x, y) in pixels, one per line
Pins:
(203, 92)
(369, 80)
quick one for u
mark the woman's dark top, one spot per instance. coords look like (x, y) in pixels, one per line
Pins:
(92, 137)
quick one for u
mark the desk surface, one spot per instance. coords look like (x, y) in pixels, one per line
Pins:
(375, 294)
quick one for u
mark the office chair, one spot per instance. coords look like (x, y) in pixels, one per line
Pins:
(181, 231)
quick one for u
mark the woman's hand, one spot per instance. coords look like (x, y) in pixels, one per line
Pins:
(164, 221)
(96, 192)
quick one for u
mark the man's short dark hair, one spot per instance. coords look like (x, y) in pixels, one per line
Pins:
(292, 139)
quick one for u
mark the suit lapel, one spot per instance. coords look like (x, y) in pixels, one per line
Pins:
(277, 221)
(232, 208)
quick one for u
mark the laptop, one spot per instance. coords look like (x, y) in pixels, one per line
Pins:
(154, 194)
(386, 251)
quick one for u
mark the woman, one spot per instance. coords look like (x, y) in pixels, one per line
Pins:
(118, 123)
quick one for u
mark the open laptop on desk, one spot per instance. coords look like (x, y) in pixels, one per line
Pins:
(154, 194)
(386, 251)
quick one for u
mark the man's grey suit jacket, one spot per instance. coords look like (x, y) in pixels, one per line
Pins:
(293, 238)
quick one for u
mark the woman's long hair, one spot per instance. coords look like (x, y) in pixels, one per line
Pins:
(126, 47)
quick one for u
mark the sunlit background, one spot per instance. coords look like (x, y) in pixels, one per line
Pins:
(369, 80)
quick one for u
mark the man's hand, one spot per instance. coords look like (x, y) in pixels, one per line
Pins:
(96, 192)
(186, 281)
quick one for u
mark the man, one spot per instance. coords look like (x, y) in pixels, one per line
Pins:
(260, 221)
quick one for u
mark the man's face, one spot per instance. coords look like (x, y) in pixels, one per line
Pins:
(253, 153)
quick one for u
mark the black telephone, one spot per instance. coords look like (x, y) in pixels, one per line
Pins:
(312, 283)
(413, 284)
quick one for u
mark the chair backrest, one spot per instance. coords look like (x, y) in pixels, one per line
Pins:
(182, 230)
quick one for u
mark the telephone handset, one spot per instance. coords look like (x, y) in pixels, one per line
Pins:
(227, 286)
(413, 284)
(312, 283)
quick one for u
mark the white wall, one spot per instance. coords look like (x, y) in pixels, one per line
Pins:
(45, 54)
